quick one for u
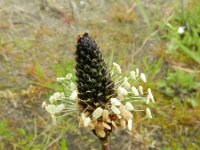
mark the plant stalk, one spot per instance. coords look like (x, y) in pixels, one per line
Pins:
(105, 144)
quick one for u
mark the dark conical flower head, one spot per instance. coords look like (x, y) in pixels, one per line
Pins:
(102, 105)
(94, 82)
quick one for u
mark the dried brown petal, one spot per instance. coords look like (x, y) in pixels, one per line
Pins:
(108, 120)
(122, 123)
(114, 124)
(105, 125)
(128, 115)
(100, 133)
(94, 121)
(99, 126)
(125, 113)
(105, 114)
(91, 126)
(119, 116)
(80, 122)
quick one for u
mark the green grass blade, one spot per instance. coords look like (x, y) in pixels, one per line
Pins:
(190, 53)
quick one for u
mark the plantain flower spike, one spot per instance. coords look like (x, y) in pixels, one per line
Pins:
(102, 99)
(94, 84)
(99, 97)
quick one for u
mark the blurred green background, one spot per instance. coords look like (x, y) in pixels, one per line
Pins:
(37, 44)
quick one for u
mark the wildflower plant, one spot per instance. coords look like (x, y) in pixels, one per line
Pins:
(104, 98)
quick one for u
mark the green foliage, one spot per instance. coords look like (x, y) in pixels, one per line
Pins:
(4, 130)
(143, 13)
(63, 145)
(152, 68)
(188, 52)
(179, 85)
(189, 41)
(60, 70)
(23, 44)
(64, 68)
(165, 148)
(182, 48)
(38, 71)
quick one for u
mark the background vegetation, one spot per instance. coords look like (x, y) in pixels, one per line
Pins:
(37, 44)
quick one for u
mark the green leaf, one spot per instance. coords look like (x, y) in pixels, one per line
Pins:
(4, 131)
(38, 70)
(63, 145)
(192, 101)
(190, 53)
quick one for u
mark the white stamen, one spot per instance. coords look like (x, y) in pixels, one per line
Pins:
(133, 76)
(59, 79)
(147, 100)
(118, 68)
(129, 106)
(135, 91)
(72, 86)
(68, 76)
(115, 110)
(52, 99)
(44, 104)
(143, 77)
(86, 121)
(53, 118)
(56, 96)
(150, 95)
(50, 109)
(97, 112)
(59, 108)
(122, 90)
(130, 122)
(115, 101)
(74, 95)
(141, 90)
(137, 72)
(126, 84)
(148, 113)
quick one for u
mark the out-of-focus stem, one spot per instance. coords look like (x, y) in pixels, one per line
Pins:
(105, 146)
(105, 143)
